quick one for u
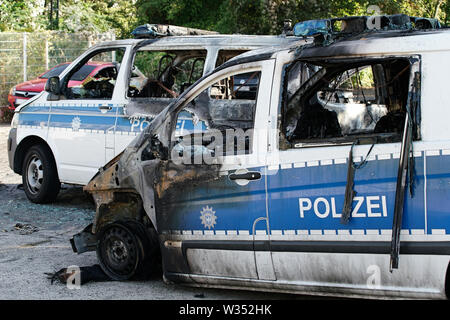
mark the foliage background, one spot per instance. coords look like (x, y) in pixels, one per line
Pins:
(225, 16)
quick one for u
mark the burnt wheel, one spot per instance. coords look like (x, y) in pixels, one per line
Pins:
(39, 175)
(124, 250)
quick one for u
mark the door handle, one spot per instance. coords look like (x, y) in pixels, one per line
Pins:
(105, 108)
(251, 175)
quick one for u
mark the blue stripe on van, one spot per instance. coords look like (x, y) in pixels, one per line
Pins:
(32, 119)
(80, 110)
(185, 124)
(125, 124)
(35, 108)
(86, 122)
(324, 187)
(236, 207)
(438, 194)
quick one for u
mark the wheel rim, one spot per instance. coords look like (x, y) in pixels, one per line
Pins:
(119, 252)
(35, 174)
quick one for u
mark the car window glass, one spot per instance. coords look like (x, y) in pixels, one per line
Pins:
(82, 73)
(56, 71)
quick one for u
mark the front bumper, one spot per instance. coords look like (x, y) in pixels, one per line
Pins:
(15, 101)
(12, 146)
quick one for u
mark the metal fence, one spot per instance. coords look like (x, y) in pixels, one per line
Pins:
(24, 56)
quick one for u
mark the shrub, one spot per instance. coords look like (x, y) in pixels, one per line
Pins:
(6, 115)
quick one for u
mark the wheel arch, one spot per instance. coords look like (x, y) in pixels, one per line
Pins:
(24, 146)
(118, 206)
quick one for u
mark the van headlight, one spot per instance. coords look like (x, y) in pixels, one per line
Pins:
(15, 121)
(12, 91)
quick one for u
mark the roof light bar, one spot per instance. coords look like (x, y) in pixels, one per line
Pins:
(360, 24)
(150, 31)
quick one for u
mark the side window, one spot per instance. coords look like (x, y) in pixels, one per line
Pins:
(342, 103)
(217, 122)
(164, 74)
(96, 77)
(240, 86)
(225, 55)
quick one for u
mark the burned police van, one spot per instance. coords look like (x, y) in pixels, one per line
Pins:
(66, 133)
(330, 178)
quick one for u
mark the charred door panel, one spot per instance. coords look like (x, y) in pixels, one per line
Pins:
(212, 216)
(212, 192)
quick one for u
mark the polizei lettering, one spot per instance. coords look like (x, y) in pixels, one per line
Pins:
(369, 206)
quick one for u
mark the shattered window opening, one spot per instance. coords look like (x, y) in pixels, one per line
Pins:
(217, 124)
(164, 74)
(225, 55)
(99, 85)
(332, 102)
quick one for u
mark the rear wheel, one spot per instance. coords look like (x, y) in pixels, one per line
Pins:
(125, 250)
(39, 175)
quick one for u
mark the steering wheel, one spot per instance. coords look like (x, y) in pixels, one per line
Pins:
(161, 72)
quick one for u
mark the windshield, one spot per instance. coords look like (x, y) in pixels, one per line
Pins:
(56, 71)
(82, 74)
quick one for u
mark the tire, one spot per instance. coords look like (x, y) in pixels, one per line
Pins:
(39, 175)
(126, 251)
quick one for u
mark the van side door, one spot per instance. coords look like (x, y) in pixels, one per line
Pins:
(212, 192)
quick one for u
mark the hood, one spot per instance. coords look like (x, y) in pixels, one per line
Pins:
(35, 85)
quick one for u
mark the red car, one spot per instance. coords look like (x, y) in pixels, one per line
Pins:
(26, 90)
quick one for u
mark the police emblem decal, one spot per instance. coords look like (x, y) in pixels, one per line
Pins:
(76, 124)
(208, 217)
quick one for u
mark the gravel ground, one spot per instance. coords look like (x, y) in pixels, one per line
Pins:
(34, 240)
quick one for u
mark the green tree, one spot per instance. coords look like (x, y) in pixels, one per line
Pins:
(189, 13)
(98, 16)
(74, 15)
(299, 10)
(243, 16)
(225, 16)
(20, 15)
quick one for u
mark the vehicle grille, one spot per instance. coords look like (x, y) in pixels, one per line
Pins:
(26, 94)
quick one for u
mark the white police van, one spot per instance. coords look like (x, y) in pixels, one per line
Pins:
(332, 180)
(67, 132)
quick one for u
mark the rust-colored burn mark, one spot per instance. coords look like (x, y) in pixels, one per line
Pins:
(172, 175)
(113, 201)
(105, 180)
(114, 206)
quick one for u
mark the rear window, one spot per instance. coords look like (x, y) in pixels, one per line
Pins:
(54, 72)
(82, 74)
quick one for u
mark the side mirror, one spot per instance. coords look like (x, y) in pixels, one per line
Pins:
(52, 85)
